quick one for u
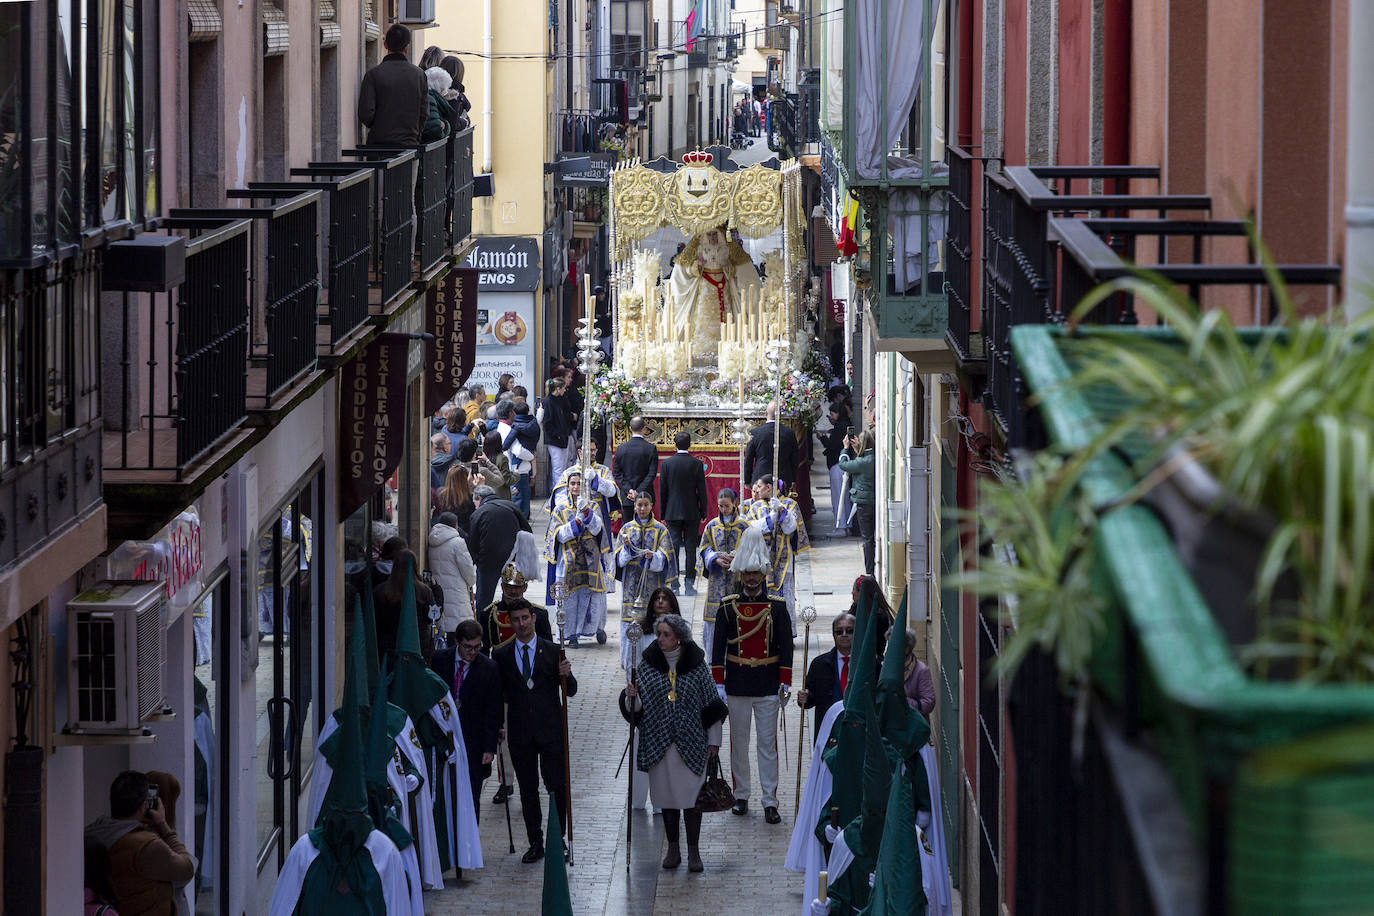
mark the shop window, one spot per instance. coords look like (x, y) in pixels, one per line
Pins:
(209, 840)
(286, 605)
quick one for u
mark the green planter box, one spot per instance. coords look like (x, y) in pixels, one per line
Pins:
(1279, 775)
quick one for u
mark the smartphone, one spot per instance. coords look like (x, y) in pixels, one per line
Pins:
(850, 432)
(152, 798)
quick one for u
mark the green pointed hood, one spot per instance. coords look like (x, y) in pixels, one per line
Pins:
(408, 626)
(863, 672)
(374, 664)
(879, 763)
(347, 790)
(845, 754)
(414, 687)
(897, 887)
(903, 727)
(556, 899)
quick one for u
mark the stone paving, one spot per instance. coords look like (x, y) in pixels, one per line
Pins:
(743, 855)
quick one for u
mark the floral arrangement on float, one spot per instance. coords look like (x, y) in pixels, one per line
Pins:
(614, 395)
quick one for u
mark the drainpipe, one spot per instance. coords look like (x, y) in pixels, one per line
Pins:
(486, 87)
(1359, 179)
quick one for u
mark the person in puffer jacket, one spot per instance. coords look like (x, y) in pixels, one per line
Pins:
(451, 563)
(440, 111)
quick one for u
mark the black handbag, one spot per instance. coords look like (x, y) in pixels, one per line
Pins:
(715, 794)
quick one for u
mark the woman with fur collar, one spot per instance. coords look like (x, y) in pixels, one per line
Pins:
(674, 700)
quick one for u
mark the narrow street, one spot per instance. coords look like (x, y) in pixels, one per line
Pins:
(743, 855)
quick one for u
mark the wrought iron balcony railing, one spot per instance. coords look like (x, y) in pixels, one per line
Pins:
(49, 399)
(459, 164)
(431, 197)
(285, 281)
(394, 217)
(348, 249)
(181, 356)
(1020, 255)
(965, 333)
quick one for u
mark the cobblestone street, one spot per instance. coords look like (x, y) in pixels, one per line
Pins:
(743, 855)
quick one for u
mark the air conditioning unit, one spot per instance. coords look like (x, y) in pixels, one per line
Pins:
(116, 650)
(413, 11)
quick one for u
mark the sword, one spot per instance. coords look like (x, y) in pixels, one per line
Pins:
(559, 590)
(632, 633)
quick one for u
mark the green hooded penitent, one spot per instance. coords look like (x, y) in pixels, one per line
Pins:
(897, 889)
(844, 753)
(863, 834)
(905, 729)
(342, 879)
(414, 687)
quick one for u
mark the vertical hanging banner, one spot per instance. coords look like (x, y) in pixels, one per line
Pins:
(451, 316)
(372, 427)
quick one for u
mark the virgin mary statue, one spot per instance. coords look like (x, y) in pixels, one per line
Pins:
(708, 282)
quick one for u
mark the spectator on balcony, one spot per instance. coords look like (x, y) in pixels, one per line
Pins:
(440, 112)
(459, 99)
(394, 100)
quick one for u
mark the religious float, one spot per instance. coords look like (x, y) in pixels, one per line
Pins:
(710, 308)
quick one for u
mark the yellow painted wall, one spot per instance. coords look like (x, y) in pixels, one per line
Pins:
(520, 105)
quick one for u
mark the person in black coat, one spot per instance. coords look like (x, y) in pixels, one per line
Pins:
(758, 456)
(473, 679)
(530, 669)
(636, 463)
(682, 504)
(829, 672)
(491, 538)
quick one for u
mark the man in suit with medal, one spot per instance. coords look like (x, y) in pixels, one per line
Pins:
(828, 675)
(530, 670)
(751, 661)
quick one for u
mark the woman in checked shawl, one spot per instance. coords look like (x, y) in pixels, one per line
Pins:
(680, 715)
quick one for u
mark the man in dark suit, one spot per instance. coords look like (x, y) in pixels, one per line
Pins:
(472, 678)
(828, 675)
(682, 505)
(491, 538)
(530, 668)
(635, 464)
(758, 456)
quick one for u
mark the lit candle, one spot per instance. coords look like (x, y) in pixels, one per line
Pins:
(822, 886)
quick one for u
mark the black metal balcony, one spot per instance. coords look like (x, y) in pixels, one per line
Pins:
(1094, 806)
(965, 334)
(180, 358)
(285, 283)
(393, 218)
(782, 125)
(348, 216)
(429, 204)
(1020, 256)
(50, 400)
(459, 187)
(809, 106)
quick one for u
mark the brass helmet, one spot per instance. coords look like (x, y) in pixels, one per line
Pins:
(513, 576)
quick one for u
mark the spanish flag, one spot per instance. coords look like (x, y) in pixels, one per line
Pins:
(846, 242)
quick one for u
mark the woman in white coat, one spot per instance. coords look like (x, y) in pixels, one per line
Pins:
(452, 567)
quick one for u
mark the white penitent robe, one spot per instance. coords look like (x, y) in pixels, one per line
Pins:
(805, 853)
(454, 816)
(385, 858)
(934, 861)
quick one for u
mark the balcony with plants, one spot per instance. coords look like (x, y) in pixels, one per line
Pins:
(1187, 555)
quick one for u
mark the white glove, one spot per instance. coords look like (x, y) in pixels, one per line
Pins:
(820, 907)
(872, 876)
(831, 832)
(412, 782)
(720, 692)
(775, 504)
(923, 820)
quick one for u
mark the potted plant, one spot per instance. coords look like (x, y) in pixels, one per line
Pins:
(1260, 701)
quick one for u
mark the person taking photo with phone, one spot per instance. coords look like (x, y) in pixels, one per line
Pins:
(147, 858)
(857, 461)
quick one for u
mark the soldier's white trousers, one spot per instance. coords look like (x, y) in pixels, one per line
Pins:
(764, 713)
